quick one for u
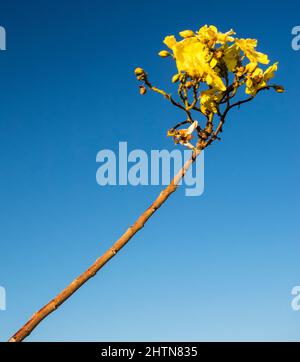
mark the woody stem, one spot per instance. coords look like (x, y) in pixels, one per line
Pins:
(108, 255)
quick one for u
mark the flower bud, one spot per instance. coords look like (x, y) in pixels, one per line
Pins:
(139, 71)
(164, 53)
(171, 132)
(175, 78)
(279, 88)
(186, 33)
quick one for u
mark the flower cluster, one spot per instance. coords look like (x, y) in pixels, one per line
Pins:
(211, 67)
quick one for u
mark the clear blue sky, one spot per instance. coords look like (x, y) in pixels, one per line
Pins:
(68, 91)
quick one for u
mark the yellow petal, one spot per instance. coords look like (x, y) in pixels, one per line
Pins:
(213, 62)
(231, 57)
(270, 72)
(215, 81)
(262, 58)
(257, 73)
(170, 41)
(192, 128)
(250, 67)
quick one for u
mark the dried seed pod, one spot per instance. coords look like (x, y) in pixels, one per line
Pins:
(143, 90)
(188, 84)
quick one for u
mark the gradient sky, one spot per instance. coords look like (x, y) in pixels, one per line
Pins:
(216, 267)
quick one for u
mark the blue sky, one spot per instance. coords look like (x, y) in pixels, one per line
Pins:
(216, 267)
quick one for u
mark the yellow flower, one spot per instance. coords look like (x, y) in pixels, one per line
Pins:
(208, 101)
(259, 79)
(248, 47)
(209, 35)
(192, 58)
(198, 59)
